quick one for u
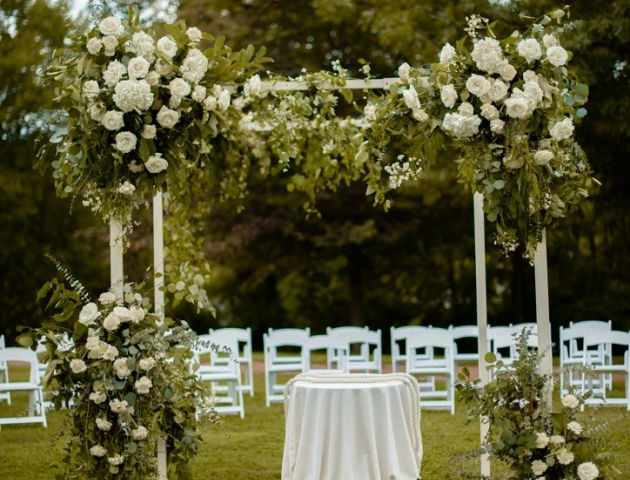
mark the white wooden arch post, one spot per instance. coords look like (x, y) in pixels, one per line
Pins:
(542, 295)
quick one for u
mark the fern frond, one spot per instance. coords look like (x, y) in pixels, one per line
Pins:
(76, 285)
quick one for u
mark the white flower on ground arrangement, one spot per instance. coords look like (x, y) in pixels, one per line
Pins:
(94, 45)
(121, 368)
(542, 440)
(575, 427)
(588, 471)
(109, 26)
(111, 322)
(110, 43)
(98, 451)
(564, 456)
(103, 424)
(147, 364)
(119, 406)
(167, 46)
(556, 440)
(97, 397)
(562, 130)
(557, 55)
(543, 157)
(126, 142)
(156, 164)
(570, 401)
(117, 460)
(167, 118)
(539, 467)
(77, 366)
(113, 120)
(448, 95)
(139, 433)
(137, 68)
(89, 314)
(143, 385)
(507, 72)
(110, 353)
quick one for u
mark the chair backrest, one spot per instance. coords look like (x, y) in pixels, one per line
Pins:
(327, 343)
(288, 337)
(576, 331)
(613, 337)
(25, 355)
(349, 330)
(465, 331)
(240, 340)
(434, 337)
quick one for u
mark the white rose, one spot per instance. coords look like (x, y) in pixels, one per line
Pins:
(126, 142)
(549, 41)
(156, 164)
(143, 385)
(489, 112)
(149, 132)
(98, 451)
(569, 400)
(587, 471)
(403, 71)
(163, 69)
(167, 118)
(142, 44)
(110, 353)
(97, 397)
(121, 368)
(118, 406)
(179, 87)
(117, 460)
(411, 98)
(533, 94)
(224, 100)
(103, 424)
(111, 322)
(194, 34)
(114, 72)
(109, 26)
(78, 366)
(146, 363)
(466, 109)
(539, 467)
(420, 115)
(107, 298)
(517, 108)
(113, 120)
(478, 85)
(139, 433)
(138, 67)
(110, 43)
(557, 56)
(461, 126)
(562, 130)
(543, 157)
(167, 46)
(529, 49)
(92, 343)
(152, 78)
(199, 93)
(530, 76)
(133, 94)
(497, 126)
(507, 71)
(556, 439)
(90, 89)
(89, 313)
(448, 95)
(174, 102)
(94, 45)
(96, 111)
(210, 103)
(447, 54)
(488, 55)
(253, 87)
(575, 427)
(498, 91)
(565, 457)
(542, 440)
(123, 313)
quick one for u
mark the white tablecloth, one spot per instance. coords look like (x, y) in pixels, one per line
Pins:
(350, 432)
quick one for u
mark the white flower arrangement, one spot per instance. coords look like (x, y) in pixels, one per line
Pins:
(124, 386)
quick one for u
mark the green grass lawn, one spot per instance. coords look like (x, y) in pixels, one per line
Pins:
(252, 448)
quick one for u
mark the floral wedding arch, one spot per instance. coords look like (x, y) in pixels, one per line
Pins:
(159, 117)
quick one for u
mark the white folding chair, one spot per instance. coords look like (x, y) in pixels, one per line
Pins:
(4, 373)
(352, 427)
(399, 337)
(465, 331)
(444, 366)
(243, 338)
(503, 343)
(572, 352)
(369, 342)
(36, 410)
(612, 338)
(280, 362)
(225, 374)
(326, 344)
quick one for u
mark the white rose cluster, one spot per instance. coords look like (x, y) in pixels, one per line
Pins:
(570, 401)
(133, 94)
(542, 440)
(139, 433)
(119, 406)
(114, 73)
(575, 427)
(77, 365)
(463, 124)
(194, 66)
(98, 451)
(565, 457)
(539, 467)
(103, 424)
(142, 44)
(412, 101)
(88, 315)
(156, 164)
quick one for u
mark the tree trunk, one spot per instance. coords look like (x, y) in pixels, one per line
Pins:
(355, 285)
